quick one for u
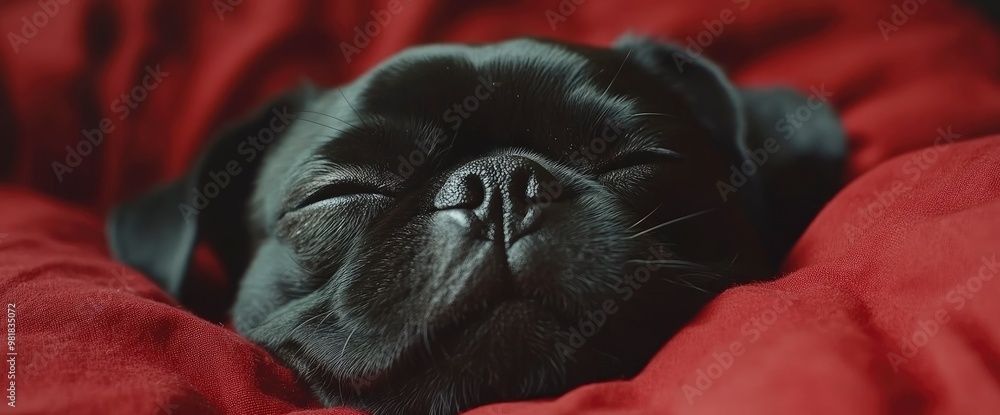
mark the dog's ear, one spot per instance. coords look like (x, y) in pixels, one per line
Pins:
(787, 150)
(158, 231)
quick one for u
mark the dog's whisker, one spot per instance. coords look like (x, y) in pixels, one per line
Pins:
(690, 285)
(605, 354)
(679, 267)
(627, 55)
(328, 314)
(341, 90)
(346, 342)
(712, 276)
(647, 216)
(604, 113)
(708, 275)
(653, 114)
(734, 260)
(330, 127)
(306, 321)
(328, 116)
(670, 222)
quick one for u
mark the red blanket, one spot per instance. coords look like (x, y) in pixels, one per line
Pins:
(890, 302)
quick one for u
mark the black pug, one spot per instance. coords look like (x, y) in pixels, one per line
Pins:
(473, 224)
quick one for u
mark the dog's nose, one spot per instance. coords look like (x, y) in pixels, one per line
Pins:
(505, 193)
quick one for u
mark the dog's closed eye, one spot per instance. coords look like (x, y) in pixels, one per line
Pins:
(640, 158)
(338, 190)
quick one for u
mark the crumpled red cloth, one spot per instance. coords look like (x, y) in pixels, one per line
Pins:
(889, 302)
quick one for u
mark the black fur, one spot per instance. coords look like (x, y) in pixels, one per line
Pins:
(409, 256)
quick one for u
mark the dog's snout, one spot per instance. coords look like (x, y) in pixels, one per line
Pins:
(507, 194)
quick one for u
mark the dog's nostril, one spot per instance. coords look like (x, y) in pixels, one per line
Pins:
(474, 191)
(467, 192)
(523, 186)
(533, 186)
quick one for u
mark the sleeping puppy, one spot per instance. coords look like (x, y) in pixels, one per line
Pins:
(473, 224)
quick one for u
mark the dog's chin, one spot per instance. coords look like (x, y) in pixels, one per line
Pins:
(506, 352)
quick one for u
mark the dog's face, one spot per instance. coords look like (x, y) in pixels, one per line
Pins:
(465, 225)
(473, 224)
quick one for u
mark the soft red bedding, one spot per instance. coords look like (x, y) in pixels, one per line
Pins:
(890, 304)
